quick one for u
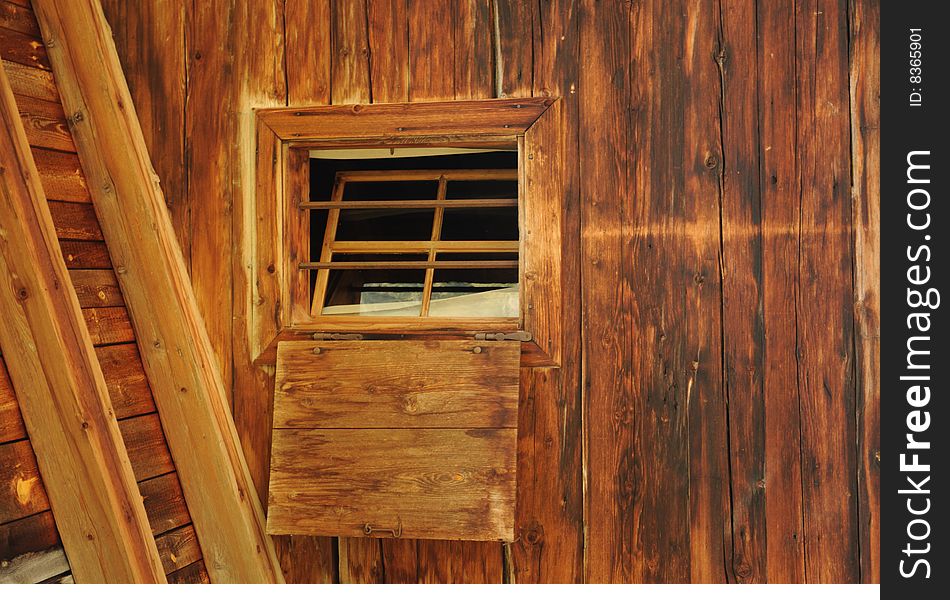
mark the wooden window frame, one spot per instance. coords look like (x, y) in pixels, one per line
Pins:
(279, 306)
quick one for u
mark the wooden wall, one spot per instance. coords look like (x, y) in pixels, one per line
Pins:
(28, 537)
(716, 415)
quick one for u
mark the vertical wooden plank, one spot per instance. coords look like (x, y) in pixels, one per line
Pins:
(208, 134)
(865, 28)
(150, 39)
(825, 311)
(612, 498)
(474, 52)
(307, 559)
(742, 300)
(307, 33)
(778, 85)
(514, 21)
(361, 561)
(444, 561)
(254, 147)
(550, 491)
(431, 51)
(401, 561)
(388, 24)
(350, 77)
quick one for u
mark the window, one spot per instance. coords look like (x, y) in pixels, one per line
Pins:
(434, 235)
(405, 264)
(409, 219)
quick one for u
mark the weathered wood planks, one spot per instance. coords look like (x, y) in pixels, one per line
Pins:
(666, 202)
(424, 483)
(186, 384)
(864, 33)
(413, 436)
(64, 399)
(365, 384)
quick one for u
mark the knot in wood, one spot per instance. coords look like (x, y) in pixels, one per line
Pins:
(22, 294)
(533, 534)
(711, 162)
(743, 570)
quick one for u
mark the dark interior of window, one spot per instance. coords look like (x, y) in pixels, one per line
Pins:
(429, 258)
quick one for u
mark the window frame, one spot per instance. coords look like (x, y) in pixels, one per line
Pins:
(279, 299)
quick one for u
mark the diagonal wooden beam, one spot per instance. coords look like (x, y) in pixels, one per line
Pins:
(177, 353)
(58, 381)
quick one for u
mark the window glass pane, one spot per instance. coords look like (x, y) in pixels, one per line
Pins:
(475, 292)
(380, 293)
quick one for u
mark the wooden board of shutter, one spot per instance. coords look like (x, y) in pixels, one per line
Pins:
(413, 436)
(397, 383)
(417, 483)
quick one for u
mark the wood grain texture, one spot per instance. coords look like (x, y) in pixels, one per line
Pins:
(349, 58)
(64, 399)
(307, 35)
(96, 288)
(18, 18)
(825, 311)
(209, 172)
(178, 548)
(396, 384)
(432, 119)
(336, 481)
(388, 24)
(196, 572)
(615, 493)
(31, 82)
(649, 91)
(186, 385)
(61, 175)
(75, 221)
(11, 421)
(126, 380)
(109, 325)
(780, 183)
(45, 124)
(23, 49)
(865, 31)
(85, 255)
(164, 503)
(148, 450)
(431, 57)
(550, 490)
(24, 492)
(153, 50)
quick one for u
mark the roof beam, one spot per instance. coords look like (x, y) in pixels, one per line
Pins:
(177, 353)
(59, 384)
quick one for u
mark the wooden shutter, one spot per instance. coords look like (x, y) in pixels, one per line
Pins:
(407, 438)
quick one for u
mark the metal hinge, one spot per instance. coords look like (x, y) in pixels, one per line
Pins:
(515, 336)
(323, 337)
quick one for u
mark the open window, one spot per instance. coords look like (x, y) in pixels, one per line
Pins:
(413, 234)
(407, 263)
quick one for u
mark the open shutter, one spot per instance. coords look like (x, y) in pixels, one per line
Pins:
(404, 438)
